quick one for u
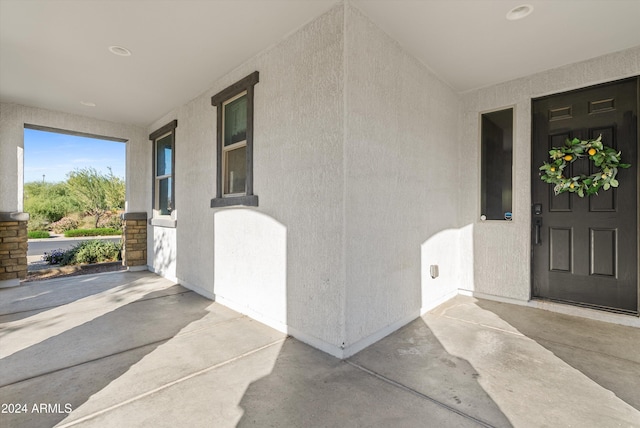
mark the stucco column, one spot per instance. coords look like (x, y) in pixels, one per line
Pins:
(13, 248)
(134, 244)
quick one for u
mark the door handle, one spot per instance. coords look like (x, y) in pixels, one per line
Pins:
(537, 226)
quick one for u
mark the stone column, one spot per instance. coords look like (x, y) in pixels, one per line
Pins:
(134, 242)
(13, 248)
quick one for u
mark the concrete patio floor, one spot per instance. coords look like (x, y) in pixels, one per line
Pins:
(131, 349)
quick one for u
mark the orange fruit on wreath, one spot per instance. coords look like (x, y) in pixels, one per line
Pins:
(568, 157)
(592, 152)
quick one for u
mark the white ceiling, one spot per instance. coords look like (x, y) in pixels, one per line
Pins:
(470, 43)
(53, 53)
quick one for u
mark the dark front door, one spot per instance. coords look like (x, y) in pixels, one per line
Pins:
(585, 250)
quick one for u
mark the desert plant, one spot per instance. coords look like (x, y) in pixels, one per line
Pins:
(94, 251)
(64, 224)
(111, 221)
(50, 201)
(37, 222)
(96, 193)
(54, 257)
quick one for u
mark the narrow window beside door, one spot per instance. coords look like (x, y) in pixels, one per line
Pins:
(496, 169)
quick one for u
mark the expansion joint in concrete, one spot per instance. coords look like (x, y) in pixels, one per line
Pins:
(170, 384)
(417, 393)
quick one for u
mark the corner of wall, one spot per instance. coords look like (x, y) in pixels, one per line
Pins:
(397, 112)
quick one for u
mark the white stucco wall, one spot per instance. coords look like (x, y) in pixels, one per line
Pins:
(401, 184)
(367, 170)
(356, 195)
(162, 251)
(282, 261)
(13, 117)
(11, 158)
(187, 250)
(501, 250)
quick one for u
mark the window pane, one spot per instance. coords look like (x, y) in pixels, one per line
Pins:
(235, 121)
(163, 156)
(235, 170)
(165, 204)
(497, 153)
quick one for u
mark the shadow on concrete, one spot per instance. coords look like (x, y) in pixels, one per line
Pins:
(608, 354)
(32, 298)
(65, 370)
(406, 379)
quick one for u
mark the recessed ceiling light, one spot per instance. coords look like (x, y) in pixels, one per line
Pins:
(88, 103)
(119, 50)
(519, 12)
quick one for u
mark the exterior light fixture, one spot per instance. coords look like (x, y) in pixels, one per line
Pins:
(119, 50)
(519, 12)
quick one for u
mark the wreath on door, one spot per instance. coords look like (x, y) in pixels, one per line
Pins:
(605, 158)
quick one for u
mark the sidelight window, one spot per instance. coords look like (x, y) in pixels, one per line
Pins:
(496, 140)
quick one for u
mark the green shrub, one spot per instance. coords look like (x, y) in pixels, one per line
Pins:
(94, 251)
(36, 234)
(49, 200)
(92, 232)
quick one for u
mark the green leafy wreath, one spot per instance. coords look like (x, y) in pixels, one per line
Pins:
(604, 157)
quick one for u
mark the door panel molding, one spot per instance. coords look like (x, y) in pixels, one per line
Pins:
(603, 252)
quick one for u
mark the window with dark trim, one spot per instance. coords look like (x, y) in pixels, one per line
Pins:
(163, 172)
(234, 169)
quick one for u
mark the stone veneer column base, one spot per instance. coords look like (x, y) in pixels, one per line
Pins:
(13, 248)
(134, 247)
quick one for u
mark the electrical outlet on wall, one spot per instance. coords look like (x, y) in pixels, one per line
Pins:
(435, 272)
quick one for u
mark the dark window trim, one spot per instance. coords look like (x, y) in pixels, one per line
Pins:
(217, 100)
(169, 127)
(235, 89)
(166, 128)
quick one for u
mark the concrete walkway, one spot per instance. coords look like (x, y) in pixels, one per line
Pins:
(130, 349)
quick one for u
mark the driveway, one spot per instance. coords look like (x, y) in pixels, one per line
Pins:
(136, 350)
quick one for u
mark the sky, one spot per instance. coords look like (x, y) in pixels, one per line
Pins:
(54, 155)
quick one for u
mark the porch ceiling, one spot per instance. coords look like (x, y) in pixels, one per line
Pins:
(53, 54)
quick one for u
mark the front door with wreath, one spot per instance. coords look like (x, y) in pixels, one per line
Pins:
(584, 199)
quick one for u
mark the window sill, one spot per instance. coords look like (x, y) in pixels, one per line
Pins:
(247, 200)
(163, 222)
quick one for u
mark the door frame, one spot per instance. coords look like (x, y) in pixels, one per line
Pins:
(531, 196)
